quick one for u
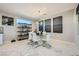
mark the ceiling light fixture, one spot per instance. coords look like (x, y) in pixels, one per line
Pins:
(40, 11)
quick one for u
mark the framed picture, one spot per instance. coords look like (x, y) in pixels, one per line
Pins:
(48, 25)
(57, 25)
(7, 20)
(41, 25)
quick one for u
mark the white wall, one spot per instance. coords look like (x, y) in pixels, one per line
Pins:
(34, 25)
(76, 28)
(68, 26)
(10, 32)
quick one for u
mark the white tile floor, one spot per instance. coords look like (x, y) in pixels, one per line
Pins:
(21, 48)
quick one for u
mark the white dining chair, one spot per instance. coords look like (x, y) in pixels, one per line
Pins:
(30, 35)
(48, 39)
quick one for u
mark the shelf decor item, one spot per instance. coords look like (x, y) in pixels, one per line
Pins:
(7, 21)
(13, 41)
(57, 25)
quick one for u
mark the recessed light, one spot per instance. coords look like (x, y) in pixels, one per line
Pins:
(39, 11)
(44, 14)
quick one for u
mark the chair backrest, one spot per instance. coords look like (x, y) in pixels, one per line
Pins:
(44, 33)
(44, 36)
(35, 37)
(49, 39)
(30, 35)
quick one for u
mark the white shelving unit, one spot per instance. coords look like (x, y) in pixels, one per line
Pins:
(23, 30)
(1, 35)
(1, 38)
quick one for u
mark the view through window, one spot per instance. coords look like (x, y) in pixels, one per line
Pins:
(23, 21)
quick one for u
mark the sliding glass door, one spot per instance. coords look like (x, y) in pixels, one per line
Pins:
(41, 26)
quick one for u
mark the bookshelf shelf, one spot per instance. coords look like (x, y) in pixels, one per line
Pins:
(23, 31)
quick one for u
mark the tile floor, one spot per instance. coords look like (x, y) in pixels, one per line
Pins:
(21, 48)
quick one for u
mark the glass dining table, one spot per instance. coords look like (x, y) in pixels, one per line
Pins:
(42, 41)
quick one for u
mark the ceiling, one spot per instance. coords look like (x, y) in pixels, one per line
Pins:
(36, 10)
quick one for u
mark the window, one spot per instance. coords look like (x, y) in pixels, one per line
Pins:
(23, 22)
(48, 25)
(57, 24)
